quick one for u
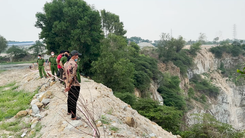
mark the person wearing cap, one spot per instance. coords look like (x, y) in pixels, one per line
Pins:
(72, 84)
(53, 64)
(41, 63)
(58, 63)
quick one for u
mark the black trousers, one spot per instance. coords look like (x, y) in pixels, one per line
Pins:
(73, 95)
(61, 73)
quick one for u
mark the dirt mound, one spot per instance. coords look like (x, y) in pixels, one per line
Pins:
(113, 117)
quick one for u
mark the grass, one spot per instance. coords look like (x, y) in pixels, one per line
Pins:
(104, 120)
(13, 101)
(115, 129)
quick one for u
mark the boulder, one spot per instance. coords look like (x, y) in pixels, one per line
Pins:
(21, 114)
(99, 123)
(34, 101)
(35, 109)
(52, 83)
(130, 121)
(39, 104)
(45, 101)
(46, 95)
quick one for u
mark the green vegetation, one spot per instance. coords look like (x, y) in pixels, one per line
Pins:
(3, 44)
(168, 118)
(204, 86)
(171, 49)
(104, 120)
(16, 52)
(37, 48)
(235, 49)
(171, 92)
(115, 129)
(111, 23)
(69, 25)
(20, 62)
(207, 126)
(13, 101)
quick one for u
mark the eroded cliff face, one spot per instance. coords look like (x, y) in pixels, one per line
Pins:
(229, 107)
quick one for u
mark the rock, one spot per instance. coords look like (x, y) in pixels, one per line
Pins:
(74, 124)
(34, 101)
(43, 88)
(125, 108)
(21, 114)
(39, 105)
(23, 134)
(45, 101)
(85, 126)
(99, 123)
(34, 120)
(130, 121)
(152, 135)
(33, 125)
(46, 95)
(29, 111)
(35, 109)
(178, 136)
(52, 83)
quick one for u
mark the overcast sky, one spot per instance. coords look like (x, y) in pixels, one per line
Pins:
(144, 18)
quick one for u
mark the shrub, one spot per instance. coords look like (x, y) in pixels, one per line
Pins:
(208, 127)
(168, 118)
(171, 92)
(128, 98)
(205, 87)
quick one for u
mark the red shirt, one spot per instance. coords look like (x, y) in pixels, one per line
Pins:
(58, 58)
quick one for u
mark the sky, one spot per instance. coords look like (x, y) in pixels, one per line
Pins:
(147, 19)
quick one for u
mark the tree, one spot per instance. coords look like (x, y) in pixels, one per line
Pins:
(216, 40)
(113, 67)
(38, 48)
(3, 44)
(16, 53)
(111, 24)
(69, 25)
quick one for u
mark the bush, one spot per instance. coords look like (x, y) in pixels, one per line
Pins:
(208, 127)
(171, 92)
(205, 87)
(128, 98)
(169, 118)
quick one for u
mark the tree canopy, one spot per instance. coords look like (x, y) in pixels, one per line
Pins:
(37, 48)
(111, 23)
(69, 25)
(3, 44)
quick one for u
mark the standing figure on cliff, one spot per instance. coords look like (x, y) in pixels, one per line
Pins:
(58, 64)
(41, 64)
(72, 84)
(53, 64)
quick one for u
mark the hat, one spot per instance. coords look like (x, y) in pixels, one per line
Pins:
(75, 52)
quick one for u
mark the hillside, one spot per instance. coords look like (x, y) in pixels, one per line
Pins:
(113, 117)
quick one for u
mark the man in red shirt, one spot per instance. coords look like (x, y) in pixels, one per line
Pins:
(58, 61)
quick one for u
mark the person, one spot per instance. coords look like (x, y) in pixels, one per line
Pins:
(53, 64)
(72, 85)
(64, 59)
(58, 64)
(41, 63)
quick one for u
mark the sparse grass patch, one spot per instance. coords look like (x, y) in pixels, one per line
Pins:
(13, 101)
(104, 120)
(113, 128)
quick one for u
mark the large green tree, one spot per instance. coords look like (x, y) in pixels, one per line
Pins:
(38, 48)
(111, 23)
(113, 67)
(3, 44)
(71, 24)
